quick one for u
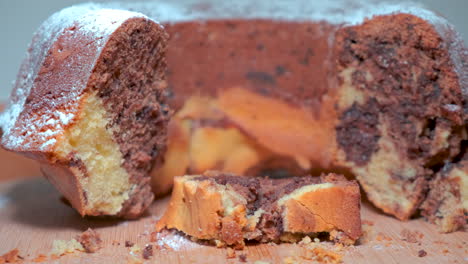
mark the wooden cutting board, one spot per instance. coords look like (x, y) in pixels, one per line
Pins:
(32, 216)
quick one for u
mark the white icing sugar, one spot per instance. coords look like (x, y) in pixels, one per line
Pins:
(40, 130)
(102, 22)
(173, 240)
(65, 118)
(48, 143)
(334, 12)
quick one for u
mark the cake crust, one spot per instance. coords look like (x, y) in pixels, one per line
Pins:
(227, 209)
(89, 105)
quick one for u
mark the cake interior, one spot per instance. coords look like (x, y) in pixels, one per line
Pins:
(409, 123)
(383, 101)
(105, 183)
(447, 200)
(120, 132)
(264, 202)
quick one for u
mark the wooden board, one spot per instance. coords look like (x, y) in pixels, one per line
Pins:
(32, 216)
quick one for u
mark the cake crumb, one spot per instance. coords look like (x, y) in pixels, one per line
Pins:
(90, 240)
(242, 257)
(11, 256)
(129, 244)
(326, 256)
(410, 236)
(381, 236)
(305, 240)
(316, 253)
(338, 246)
(62, 247)
(135, 249)
(40, 258)
(134, 260)
(147, 251)
(230, 253)
(422, 253)
(367, 234)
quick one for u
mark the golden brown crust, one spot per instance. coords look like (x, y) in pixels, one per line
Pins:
(65, 180)
(335, 208)
(205, 209)
(193, 208)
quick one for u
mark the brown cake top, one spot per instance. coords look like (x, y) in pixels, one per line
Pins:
(54, 75)
(339, 13)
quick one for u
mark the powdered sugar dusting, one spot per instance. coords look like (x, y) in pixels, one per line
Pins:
(102, 22)
(43, 39)
(30, 130)
(334, 12)
(173, 240)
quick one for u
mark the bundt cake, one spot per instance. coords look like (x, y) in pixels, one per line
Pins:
(227, 209)
(89, 104)
(277, 87)
(296, 87)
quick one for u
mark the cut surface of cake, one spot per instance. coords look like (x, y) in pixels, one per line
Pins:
(228, 210)
(89, 104)
(377, 89)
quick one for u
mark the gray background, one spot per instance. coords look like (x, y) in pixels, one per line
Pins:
(20, 18)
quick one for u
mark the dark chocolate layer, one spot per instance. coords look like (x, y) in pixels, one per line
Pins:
(413, 79)
(260, 55)
(403, 66)
(129, 78)
(262, 193)
(357, 132)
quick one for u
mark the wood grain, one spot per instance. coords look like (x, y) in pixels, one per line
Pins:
(32, 216)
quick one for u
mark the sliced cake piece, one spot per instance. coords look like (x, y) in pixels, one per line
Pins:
(447, 201)
(228, 209)
(88, 104)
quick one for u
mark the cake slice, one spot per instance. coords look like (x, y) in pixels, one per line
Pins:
(89, 105)
(228, 209)
(447, 201)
